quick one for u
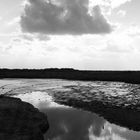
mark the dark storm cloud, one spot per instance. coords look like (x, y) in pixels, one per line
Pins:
(57, 17)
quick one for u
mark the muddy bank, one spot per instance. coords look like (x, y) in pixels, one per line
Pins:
(125, 117)
(20, 120)
(123, 110)
(117, 102)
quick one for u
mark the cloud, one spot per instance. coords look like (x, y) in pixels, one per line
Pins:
(122, 13)
(109, 3)
(133, 31)
(68, 126)
(111, 47)
(42, 37)
(33, 37)
(117, 3)
(27, 37)
(14, 21)
(57, 17)
(107, 6)
(118, 50)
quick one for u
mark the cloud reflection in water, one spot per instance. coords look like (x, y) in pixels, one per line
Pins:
(67, 123)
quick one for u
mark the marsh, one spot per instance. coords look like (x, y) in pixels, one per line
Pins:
(66, 103)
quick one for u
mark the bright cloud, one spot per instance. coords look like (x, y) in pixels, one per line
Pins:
(122, 13)
(107, 6)
(109, 135)
(14, 21)
(109, 3)
(80, 36)
(82, 52)
(117, 3)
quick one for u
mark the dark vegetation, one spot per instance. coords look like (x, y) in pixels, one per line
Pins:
(20, 120)
(71, 74)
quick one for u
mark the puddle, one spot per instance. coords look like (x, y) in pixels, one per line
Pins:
(68, 123)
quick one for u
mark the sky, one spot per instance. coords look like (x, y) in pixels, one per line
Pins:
(79, 34)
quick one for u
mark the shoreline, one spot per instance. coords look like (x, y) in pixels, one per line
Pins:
(116, 100)
(114, 109)
(72, 74)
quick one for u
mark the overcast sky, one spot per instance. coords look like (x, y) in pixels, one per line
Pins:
(80, 34)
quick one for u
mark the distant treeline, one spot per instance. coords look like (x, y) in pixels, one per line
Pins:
(71, 74)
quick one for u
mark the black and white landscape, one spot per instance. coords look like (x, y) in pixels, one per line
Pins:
(69, 70)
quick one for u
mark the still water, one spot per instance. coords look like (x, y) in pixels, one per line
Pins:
(68, 123)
